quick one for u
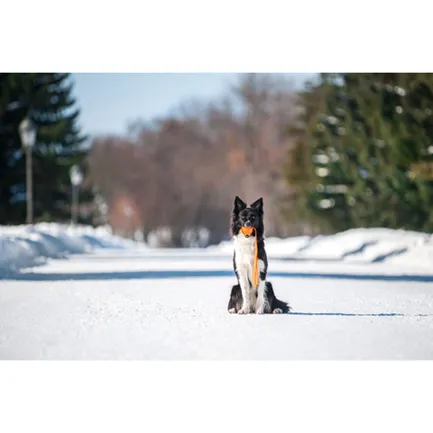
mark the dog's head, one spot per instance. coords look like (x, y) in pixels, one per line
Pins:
(247, 216)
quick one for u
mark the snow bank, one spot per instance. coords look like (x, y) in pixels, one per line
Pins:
(27, 246)
(369, 246)
(283, 247)
(361, 245)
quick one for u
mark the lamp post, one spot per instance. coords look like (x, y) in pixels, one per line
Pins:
(76, 179)
(27, 130)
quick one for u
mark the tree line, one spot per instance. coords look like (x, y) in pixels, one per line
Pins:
(183, 170)
(364, 152)
(346, 150)
(47, 99)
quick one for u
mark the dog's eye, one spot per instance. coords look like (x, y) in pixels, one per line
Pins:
(252, 217)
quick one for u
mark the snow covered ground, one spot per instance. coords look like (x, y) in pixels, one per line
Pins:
(81, 293)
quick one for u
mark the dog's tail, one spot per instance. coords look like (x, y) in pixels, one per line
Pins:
(274, 301)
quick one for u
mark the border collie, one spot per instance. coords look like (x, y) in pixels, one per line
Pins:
(245, 297)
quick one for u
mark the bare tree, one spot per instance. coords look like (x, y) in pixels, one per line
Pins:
(183, 170)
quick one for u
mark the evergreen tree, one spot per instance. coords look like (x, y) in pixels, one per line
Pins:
(47, 99)
(370, 152)
(299, 172)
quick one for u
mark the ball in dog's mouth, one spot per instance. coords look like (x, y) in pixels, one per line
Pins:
(247, 231)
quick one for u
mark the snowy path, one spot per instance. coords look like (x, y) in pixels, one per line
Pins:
(172, 305)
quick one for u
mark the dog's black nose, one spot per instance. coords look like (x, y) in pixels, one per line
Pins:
(247, 224)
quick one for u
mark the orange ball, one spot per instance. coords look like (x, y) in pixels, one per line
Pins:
(247, 230)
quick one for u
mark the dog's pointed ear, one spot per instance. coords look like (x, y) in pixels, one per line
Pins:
(239, 205)
(258, 204)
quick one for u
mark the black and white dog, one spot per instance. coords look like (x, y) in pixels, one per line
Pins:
(245, 297)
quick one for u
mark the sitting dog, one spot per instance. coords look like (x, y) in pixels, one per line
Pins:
(249, 296)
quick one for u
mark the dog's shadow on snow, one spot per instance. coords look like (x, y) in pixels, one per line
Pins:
(302, 313)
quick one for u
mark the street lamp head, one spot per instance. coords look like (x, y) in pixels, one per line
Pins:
(75, 175)
(27, 130)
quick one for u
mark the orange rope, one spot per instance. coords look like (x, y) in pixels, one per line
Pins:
(247, 231)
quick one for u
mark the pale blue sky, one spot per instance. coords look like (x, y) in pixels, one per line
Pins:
(109, 101)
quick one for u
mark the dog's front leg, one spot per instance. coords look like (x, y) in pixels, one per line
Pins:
(262, 304)
(247, 306)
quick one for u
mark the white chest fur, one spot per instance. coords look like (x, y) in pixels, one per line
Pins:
(253, 296)
(244, 257)
(244, 248)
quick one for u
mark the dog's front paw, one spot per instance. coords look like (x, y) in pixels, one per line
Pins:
(277, 311)
(245, 310)
(232, 310)
(262, 307)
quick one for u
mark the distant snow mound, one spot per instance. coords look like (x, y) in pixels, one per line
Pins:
(26, 246)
